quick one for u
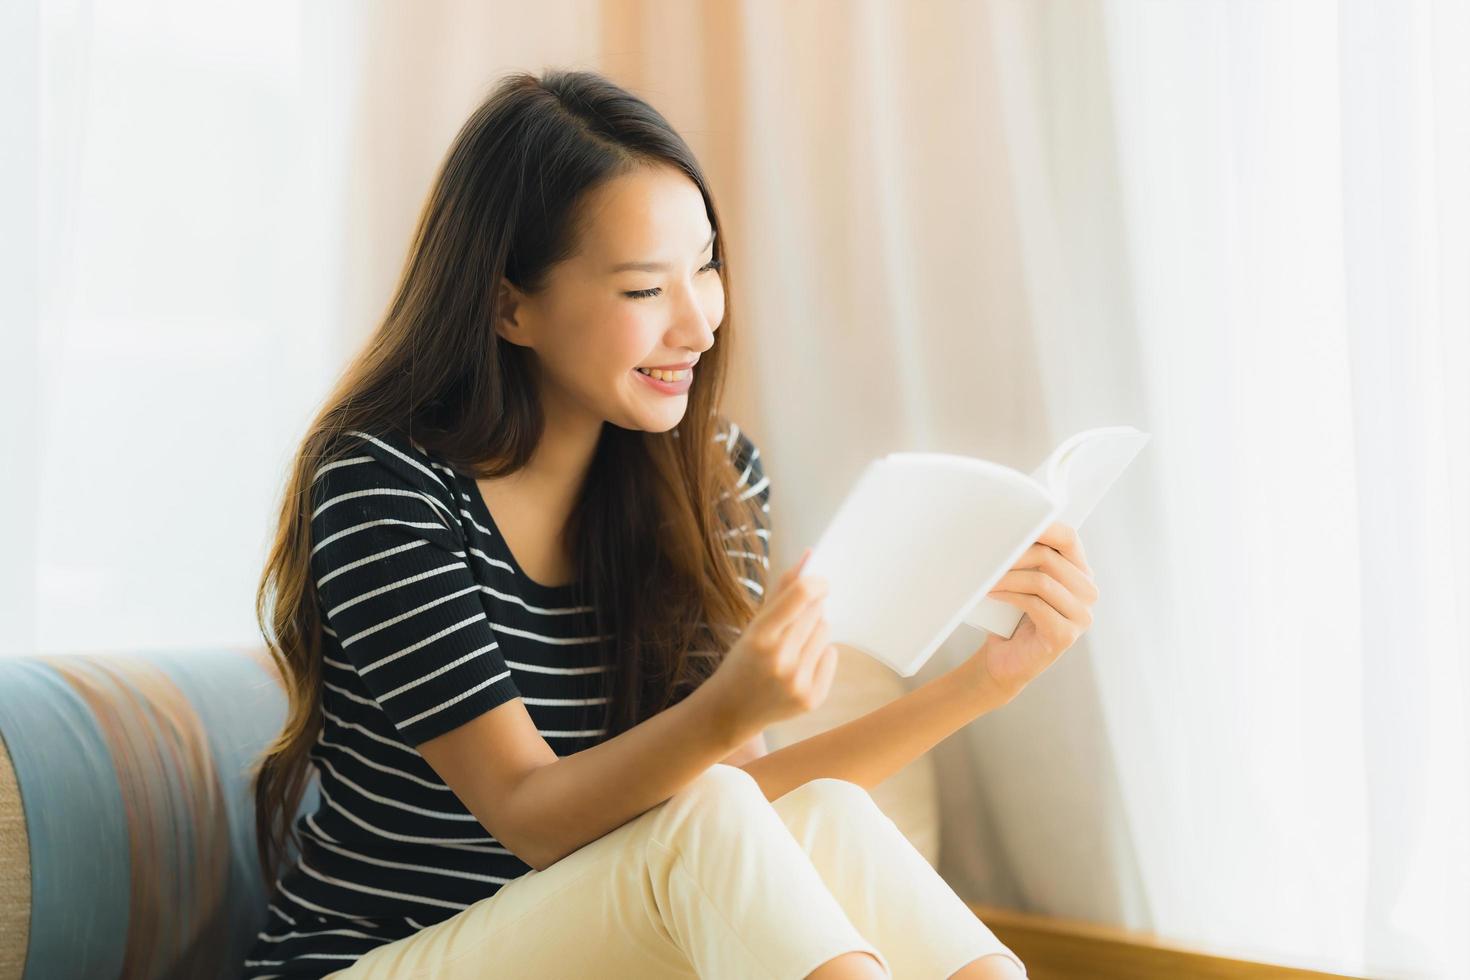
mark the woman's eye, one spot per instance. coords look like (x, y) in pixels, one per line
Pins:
(645, 293)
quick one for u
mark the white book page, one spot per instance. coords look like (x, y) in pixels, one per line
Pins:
(1078, 473)
(919, 537)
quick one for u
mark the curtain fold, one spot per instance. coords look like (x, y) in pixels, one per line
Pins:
(1258, 213)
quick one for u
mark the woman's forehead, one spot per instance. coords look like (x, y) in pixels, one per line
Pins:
(646, 216)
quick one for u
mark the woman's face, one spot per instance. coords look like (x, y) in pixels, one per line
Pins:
(600, 318)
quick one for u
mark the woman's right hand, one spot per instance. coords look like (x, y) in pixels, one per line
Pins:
(782, 665)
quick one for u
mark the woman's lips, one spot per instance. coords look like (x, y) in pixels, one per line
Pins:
(667, 387)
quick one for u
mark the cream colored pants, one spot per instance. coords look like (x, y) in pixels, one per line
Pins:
(715, 882)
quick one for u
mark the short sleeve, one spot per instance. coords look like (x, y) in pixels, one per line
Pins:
(751, 481)
(397, 593)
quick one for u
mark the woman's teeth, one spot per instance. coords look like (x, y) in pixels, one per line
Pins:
(666, 375)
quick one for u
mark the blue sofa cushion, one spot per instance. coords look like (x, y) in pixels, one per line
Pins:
(133, 779)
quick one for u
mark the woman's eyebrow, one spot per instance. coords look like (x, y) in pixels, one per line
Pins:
(653, 266)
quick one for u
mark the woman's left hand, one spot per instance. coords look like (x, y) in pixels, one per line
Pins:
(1052, 584)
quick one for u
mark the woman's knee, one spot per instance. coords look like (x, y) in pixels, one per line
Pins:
(729, 784)
(721, 802)
(833, 792)
(720, 799)
(828, 802)
(726, 798)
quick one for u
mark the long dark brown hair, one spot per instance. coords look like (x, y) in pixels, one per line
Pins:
(658, 529)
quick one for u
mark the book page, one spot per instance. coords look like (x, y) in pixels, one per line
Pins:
(917, 539)
(1078, 472)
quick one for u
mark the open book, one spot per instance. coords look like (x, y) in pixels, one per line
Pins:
(921, 537)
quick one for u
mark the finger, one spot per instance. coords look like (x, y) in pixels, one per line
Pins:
(792, 573)
(826, 670)
(1039, 583)
(1034, 581)
(790, 602)
(789, 577)
(1077, 581)
(1048, 621)
(1064, 538)
(798, 632)
(810, 654)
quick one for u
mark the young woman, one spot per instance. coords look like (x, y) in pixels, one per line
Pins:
(519, 600)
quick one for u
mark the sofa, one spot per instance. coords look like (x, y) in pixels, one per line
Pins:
(127, 830)
(127, 836)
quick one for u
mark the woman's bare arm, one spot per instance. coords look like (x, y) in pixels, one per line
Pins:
(543, 807)
(869, 749)
(748, 751)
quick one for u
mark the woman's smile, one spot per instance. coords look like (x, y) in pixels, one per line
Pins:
(668, 387)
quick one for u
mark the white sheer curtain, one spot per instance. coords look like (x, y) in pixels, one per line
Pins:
(1283, 280)
(177, 312)
(1241, 226)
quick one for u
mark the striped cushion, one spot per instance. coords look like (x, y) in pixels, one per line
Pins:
(126, 821)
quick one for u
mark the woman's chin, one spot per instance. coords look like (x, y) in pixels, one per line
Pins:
(663, 418)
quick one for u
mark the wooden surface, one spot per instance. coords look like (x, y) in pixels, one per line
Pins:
(1062, 949)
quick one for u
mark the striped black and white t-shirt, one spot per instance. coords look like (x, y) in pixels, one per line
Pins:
(429, 623)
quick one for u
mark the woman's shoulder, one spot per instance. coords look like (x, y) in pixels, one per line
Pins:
(745, 456)
(395, 456)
